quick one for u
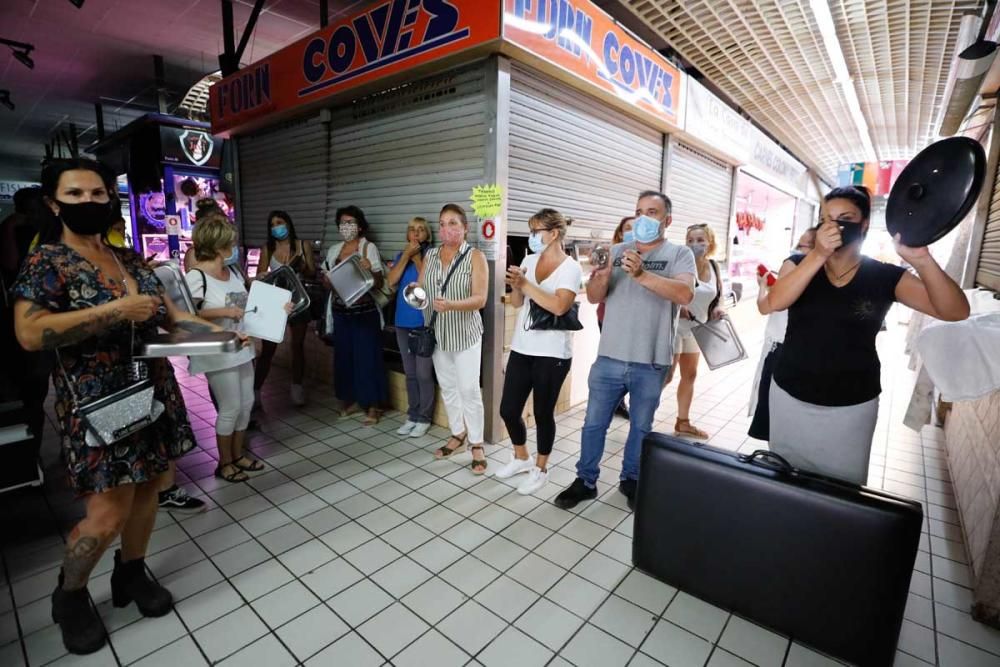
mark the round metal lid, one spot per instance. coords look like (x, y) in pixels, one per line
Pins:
(936, 190)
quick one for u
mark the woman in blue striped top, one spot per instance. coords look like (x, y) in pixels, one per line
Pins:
(459, 332)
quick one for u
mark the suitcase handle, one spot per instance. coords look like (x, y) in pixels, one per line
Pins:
(769, 459)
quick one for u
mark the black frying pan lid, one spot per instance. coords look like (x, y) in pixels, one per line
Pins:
(936, 190)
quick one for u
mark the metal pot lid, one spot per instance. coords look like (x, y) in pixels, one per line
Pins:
(936, 190)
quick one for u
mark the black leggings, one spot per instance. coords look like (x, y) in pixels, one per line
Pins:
(542, 375)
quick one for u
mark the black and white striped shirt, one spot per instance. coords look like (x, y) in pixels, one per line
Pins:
(455, 330)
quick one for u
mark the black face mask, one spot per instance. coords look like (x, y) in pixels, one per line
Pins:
(851, 231)
(87, 218)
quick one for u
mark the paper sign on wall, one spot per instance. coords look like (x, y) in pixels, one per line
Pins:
(487, 202)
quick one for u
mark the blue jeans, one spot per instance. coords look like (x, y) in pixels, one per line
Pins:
(608, 383)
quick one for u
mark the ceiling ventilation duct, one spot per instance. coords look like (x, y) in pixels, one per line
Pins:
(973, 60)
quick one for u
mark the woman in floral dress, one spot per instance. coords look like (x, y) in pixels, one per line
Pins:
(90, 303)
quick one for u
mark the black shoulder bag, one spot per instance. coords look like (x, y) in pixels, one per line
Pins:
(422, 341)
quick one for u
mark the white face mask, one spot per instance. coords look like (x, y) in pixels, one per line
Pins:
(699, 249)
(349, 230)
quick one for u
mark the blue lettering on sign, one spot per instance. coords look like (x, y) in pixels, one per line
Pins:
(249, 90)
(383, 35)
(625, 66)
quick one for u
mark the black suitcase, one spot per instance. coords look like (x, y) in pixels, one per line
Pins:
(824, 562)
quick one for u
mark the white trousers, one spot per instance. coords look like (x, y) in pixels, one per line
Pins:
(233, 389)
(458, 375)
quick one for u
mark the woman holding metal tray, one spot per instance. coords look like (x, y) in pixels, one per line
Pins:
(121, 421)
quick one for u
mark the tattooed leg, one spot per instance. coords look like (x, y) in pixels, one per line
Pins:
(81, 557)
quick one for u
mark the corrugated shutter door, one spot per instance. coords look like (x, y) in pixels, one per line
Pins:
(409, 151)
(700, 189)
(988, 270)
(286, 169)
(574, 154)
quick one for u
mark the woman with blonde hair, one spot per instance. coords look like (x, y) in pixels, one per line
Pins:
(420, 390)
(455, 276)
(220, 296)
(707, 294)
(544, 290)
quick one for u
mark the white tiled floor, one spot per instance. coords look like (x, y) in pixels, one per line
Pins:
(357, 548)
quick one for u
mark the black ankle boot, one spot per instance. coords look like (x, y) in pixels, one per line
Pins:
(82, 630)
(130, 582)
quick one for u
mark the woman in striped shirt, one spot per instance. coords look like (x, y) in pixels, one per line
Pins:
(458, 329)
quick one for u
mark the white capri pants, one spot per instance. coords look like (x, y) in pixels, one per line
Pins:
(458, 375)
(233, 389)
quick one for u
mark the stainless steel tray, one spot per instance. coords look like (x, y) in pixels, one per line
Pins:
(719, 343)
(350, 281)
(286, 278)
(170, 276)
(183, 344)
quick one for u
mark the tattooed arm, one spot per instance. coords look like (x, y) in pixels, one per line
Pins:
(40, 329)
(185, 321)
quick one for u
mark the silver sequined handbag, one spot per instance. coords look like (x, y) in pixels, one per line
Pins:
(118, 415)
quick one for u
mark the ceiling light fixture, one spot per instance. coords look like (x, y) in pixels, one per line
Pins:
(5, 99)
(821, 10)
(22, 51)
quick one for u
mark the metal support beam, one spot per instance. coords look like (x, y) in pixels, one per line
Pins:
(161, 84)
(248, 30)
(324, 13)
(72, 140)
(99, 120)
(227, 60)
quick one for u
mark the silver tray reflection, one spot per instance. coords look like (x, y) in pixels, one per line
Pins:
(350, 280)
(286, 278)
(183, 344)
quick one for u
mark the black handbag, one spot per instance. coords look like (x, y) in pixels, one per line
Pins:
(422, 341)
(540, 319)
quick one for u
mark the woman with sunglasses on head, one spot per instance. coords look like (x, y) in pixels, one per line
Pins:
(91, 304)
(544, 290)
(285, 248)
(707, 294)
(826, 383)
(774, 335)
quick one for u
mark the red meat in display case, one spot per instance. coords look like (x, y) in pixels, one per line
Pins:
(746, 221)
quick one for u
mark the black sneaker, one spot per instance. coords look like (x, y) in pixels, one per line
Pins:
(627, 487)
(177, 499)
(577, 492)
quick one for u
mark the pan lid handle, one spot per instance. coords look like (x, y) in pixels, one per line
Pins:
(768, 459)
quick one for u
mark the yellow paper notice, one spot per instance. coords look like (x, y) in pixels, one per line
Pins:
(487, 200)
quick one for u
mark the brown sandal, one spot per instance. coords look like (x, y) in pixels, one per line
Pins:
(235, 476)
(372, 417)
(478, 465)
(446, 452)
(684, 427)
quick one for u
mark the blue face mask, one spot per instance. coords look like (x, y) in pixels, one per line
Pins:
(628, 236)
(535, 243)
(280, 232)
(234, 257)
(646, 229)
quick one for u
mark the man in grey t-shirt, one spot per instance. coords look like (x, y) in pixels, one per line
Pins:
(643, 287)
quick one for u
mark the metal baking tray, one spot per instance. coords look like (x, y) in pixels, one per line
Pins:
(286, 278)
(350, 281)
(183, 344)
(719, 343)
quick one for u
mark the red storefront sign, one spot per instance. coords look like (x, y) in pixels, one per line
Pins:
(386, 39)
(582, 40)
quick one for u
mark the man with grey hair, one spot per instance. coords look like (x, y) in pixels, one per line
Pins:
(644, 285)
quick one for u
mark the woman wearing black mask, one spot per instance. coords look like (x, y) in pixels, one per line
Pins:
(825, 388)
(86, 300)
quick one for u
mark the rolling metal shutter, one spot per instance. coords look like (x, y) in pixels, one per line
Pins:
(988, 269)
(700, 189)
(407, 152)
(285, 168)
(574, 154)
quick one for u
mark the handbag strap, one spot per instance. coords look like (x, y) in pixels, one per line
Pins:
(454, 265)
(69, 381)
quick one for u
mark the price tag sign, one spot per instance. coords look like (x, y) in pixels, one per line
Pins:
(487, 202)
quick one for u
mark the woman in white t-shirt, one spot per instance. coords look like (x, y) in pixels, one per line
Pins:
(546, 284)
(220, 297)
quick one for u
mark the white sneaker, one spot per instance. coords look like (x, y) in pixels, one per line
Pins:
(515, 467)
(420, 429)
(534, 482)
(298, 394)
(406, 428)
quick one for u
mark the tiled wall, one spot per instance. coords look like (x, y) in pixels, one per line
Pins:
(973, 442)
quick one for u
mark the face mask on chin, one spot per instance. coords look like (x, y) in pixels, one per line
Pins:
(87, 218)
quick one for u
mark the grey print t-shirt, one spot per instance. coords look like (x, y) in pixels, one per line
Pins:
(639, 326)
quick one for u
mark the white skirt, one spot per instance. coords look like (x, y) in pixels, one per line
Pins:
(834, 441)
